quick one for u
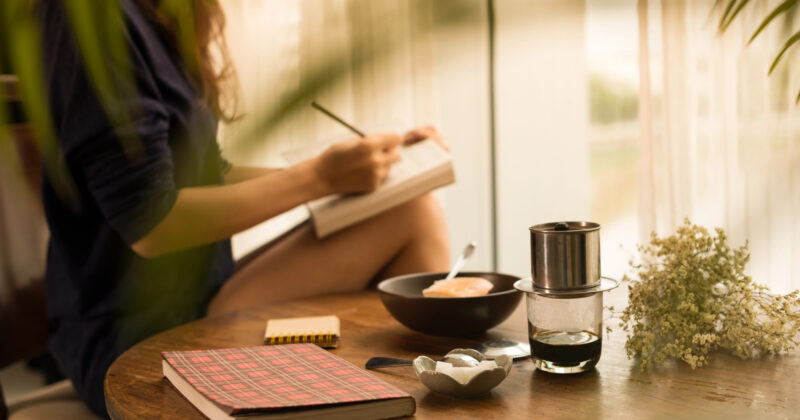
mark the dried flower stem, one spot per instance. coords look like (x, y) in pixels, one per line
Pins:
(692, 297)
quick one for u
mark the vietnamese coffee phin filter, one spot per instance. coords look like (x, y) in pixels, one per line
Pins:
(564, 296)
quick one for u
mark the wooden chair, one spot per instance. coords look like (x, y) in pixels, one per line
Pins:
(23, 318)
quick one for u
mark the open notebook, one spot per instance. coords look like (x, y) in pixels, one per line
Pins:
(424, 167)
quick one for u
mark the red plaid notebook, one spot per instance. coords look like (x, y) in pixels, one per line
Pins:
(282, 381)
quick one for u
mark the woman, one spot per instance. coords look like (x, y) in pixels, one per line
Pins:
(144, 243)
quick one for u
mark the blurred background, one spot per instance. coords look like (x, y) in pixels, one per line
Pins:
(631, 113)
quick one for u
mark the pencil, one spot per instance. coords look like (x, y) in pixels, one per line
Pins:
(322, 109)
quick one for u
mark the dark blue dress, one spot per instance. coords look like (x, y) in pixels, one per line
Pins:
(102, 297)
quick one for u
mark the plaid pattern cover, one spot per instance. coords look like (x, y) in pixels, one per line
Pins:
(258, 379)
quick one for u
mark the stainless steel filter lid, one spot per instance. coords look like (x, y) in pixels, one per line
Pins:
(565, 255)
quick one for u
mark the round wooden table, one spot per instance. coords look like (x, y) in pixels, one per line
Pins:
(728, 388)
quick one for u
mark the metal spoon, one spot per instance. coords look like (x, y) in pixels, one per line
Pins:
(456, 359)
(462, 260)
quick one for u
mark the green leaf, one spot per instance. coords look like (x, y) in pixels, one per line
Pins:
(98, 29)
(726, 13)
(25, 55)
(741, 4)
(789, 42)
(786, 5)
(5, 158)
(713, 10)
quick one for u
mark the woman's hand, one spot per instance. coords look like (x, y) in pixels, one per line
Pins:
(422, 133)
(358, 165)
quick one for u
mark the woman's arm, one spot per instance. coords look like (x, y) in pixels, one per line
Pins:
(245, 173)
(203, 215)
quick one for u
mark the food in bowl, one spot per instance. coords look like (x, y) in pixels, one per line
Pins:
(459, 287)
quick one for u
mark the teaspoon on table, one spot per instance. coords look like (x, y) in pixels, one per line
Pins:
(456, 359)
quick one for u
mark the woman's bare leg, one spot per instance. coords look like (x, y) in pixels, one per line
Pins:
(409, 238)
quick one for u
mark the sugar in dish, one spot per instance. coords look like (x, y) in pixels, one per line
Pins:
(462, 381)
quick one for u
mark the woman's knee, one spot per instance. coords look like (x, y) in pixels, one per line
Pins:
(426, 205)
(423, 214)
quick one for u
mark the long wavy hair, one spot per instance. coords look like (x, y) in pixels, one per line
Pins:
(195, 29)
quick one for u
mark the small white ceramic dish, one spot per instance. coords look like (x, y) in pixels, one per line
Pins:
(479, 384)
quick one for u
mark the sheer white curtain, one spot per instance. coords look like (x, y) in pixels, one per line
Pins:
(720, 141)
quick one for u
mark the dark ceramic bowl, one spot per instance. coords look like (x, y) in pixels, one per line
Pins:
(449, 316)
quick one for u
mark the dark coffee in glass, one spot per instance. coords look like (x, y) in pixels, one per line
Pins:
(565, 333)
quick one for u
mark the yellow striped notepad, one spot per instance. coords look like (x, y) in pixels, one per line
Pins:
(320, 330)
